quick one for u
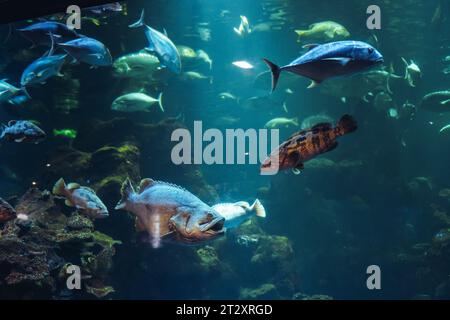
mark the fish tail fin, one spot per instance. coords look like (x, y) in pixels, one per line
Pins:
(59, 189)
(275, 72)
(295, 121)
(140, 22)
(24, 90)
(160, 102)
(347, 124)
(127, 190)
(259, 209)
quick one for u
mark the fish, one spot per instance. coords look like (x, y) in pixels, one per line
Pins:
(281, 122)
(186, 52)
(88, 50)
(202, 55)
(244, 27)
(438, 101)
(43, 68)
(243, 64)
(444, 128)
(412, 72)
(136, 65)
(68, 133)
(84, 199)
(161, 45)
(22, 131)
(106, 9)
(168, 212)
(323, 31)
(7, 212)
(311, 121)
(329, 60)
(382, 101)
(8, 91)
(38, 33)
(307, 144)
(193, 75)
(137, 101)
(237, 213)
(228, 96)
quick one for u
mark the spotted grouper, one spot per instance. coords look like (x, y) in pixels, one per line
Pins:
(169, 212)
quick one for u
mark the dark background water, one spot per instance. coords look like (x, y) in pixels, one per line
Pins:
(338, 220)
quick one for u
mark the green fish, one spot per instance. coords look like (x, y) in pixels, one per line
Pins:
(68, 133)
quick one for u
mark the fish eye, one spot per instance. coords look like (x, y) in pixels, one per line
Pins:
(370, 50)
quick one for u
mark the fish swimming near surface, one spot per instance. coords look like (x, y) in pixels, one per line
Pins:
(38, 33)
(169, 212)
(307, 144)
(161, 45)
(22, 131)
(281, 122)
(7, 212)
(323, 31)
(88, 50)
(237, 213)
(329, 60)
(438, 101)
(84, 199)
(136, 65)
(136, 101)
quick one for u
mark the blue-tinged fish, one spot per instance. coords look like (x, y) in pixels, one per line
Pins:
(8, 91)
(88, 50)
(161, 45)
(329, 60)
(237, 213)
(42, 69)
(106, 9)
(22, 131)
(38, 33)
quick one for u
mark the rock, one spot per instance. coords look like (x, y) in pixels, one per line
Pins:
(7, 212)
(266, 291)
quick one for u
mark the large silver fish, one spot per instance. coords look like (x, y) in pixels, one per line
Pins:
(161, 45)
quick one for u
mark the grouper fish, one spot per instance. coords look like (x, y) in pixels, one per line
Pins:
(161, 45)
(333, 59)
(168, 212)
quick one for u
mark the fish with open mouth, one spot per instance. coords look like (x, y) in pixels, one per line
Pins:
(171, 213)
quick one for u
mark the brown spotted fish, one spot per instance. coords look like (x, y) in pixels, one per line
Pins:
(306, 144)
(83, 198)
(7, 212)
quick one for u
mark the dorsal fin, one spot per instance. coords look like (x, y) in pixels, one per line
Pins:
(72, 186)
(311, 46)
(322, 125)
(145, 184)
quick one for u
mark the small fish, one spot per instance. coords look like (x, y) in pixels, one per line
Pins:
(329, 60)
(243, 64)
(167, 211)
(393, 113)
(307, 144)
(227, 96)
(186, 52)
(22, 131)
(237, 213)
(323, 31)
(84, 199)
(136, 65)
(7, 212)
(136, 101)
(412, 72)
(202, 55)
(161, 45)
(88, 50)
(438, 101)
(193, 75)
(244, 27)
(68, 133)
(38, 33)
(281, 122)
(106, 9)
(247, 241)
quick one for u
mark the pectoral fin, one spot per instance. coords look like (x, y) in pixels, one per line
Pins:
(445, 102)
